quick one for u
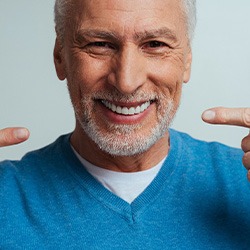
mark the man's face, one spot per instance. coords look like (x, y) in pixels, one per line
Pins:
(125, 62)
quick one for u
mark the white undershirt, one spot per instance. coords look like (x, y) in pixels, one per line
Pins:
(125, 185)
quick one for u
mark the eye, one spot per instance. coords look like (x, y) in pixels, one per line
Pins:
(156, 44)
(99, 44)
(155, 47)
(100, 48)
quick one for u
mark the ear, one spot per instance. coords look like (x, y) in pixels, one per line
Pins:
(59, 60)
(188, 63)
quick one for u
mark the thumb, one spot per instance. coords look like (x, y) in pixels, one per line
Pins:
(11, 136)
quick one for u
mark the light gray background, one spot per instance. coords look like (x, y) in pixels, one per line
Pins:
(32, 96)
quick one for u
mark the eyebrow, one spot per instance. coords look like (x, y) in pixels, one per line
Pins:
(83, 34)
(155, 33)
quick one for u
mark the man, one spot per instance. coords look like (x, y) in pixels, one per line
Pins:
(122, 179)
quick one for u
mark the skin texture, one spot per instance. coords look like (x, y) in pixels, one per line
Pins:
(128, 49)
(11, 136)
(127, 68)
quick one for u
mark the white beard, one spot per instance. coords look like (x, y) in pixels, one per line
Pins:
(125, 140)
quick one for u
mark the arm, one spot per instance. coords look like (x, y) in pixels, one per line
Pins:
(11, 136)
(232, 116)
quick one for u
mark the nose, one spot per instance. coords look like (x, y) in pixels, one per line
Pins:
(129, 70)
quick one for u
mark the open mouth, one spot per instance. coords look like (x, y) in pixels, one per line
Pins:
(126, 110)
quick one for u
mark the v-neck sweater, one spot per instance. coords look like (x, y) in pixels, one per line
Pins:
(128, 185)
(199, 199)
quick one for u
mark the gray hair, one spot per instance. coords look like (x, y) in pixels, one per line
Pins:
(62, 6)
(190, 14)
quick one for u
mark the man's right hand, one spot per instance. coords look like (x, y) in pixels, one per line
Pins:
(11, 136)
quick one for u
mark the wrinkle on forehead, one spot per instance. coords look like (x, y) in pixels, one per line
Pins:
(129, 18)
(95, 8)
(127, 5)
(137, 36)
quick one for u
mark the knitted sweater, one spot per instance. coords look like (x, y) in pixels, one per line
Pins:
(200, 199)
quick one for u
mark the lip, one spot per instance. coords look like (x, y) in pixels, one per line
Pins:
(125, 119)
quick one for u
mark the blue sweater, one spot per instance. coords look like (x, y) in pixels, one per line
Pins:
(199, 200)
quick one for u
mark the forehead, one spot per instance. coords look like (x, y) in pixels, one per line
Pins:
(127, 15)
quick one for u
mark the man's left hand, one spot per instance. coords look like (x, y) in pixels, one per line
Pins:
(232, 116)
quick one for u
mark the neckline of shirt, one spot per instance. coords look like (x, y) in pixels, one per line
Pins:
(129, 211)
(127, 186)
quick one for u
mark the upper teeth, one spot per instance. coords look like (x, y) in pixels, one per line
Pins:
(125, 110)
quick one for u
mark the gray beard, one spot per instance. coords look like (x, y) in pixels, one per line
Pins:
(125, 140)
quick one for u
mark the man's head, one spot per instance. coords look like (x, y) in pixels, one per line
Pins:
(125, 62)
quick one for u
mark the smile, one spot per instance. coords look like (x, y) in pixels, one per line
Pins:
(125, 110)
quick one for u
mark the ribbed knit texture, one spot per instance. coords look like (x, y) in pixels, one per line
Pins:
(200, 199)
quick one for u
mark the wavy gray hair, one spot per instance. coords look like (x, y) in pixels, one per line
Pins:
(62, 6)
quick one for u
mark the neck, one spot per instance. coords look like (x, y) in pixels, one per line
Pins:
(146, 160)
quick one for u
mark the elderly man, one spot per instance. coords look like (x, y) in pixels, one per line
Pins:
(123, 179)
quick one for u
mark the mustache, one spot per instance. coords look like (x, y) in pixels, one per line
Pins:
(137, 96)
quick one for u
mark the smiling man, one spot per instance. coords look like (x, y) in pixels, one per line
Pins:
(125, 66)
(123, 179)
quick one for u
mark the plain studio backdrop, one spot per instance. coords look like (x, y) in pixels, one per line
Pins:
(32, 96)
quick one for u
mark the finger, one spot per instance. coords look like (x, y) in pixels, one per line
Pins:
(248, 175)
(245, 144)
(228, 116)
(246, 160)
(11, 136)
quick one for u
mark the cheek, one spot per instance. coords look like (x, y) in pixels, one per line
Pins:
(168, 77)
(85, 75)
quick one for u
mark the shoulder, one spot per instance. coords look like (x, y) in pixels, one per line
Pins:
(36, 173)
(36, 161)
(208, 157)
(208, 161)
(204, 148)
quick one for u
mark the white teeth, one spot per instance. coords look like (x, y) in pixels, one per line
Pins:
(143, 106)
(138, 110)
(118, 110)
(131, 111)
(125, 110)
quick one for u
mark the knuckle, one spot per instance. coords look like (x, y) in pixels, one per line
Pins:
(221, 115)
(246, 160)
(246, 116)
(245, 144)
(225, 116)
(5, 137)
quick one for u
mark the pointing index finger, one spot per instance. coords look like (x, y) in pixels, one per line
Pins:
(11, 136)
(228, 116)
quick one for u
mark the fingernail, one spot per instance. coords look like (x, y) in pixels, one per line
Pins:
(21, 133)
(209, 115)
